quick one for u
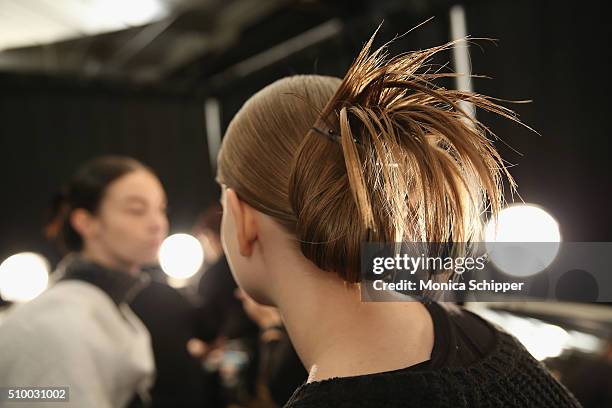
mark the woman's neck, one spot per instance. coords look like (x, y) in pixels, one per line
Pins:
(110, 262)
(337, 335)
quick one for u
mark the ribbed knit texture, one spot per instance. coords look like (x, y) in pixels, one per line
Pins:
(508, 376)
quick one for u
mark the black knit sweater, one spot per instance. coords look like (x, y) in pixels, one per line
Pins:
(470, 367)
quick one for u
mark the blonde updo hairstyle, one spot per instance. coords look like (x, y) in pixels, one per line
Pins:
(382, 155)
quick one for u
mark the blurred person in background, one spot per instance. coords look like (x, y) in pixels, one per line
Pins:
(225, 337)
(280, 368)
(589, 376)
(231, 325)
(169, 316)
(80, 333)
(311, 167)
(220, 315)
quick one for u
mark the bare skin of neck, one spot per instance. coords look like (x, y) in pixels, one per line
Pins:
(337, 335)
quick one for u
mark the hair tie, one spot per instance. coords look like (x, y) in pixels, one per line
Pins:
(60, 208)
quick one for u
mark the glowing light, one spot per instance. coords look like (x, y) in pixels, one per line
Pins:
(523, 223)
(177, 283)
(587, 343)
(510, 241)
(42, 22)
(129, 13)
(545, 341)
(23, 276)
(181, 256)
(542, 340)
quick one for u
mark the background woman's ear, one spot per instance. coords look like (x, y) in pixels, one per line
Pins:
(244, 221)
(82, 221)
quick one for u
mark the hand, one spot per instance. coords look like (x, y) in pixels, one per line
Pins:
(264, 316)
(197, 348)
(203, 351)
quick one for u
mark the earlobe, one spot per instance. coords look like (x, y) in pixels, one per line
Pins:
(81, 222)
(243, 221)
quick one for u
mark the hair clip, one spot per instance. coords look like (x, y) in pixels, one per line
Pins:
(332, 135)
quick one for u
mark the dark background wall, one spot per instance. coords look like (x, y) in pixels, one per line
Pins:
(554, 53)
(49, 126)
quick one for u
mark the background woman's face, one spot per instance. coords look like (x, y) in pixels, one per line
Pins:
(132, 221)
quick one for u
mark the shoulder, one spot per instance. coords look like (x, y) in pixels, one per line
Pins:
(473, 357)
(461, 337)
(38, 337)
(57, 318)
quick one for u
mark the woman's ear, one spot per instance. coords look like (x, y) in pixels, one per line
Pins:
(244, 222)
(82, 222)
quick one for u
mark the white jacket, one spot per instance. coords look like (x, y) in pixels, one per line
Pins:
(74, 335)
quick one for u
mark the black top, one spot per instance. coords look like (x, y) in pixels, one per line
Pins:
(281, 369)
(221, 313)
(120, 286)
(472, 364)
(169, 317)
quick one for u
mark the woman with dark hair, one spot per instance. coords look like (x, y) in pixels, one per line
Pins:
(312, 167)
(80, 333)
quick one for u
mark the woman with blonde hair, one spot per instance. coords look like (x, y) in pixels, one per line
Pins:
(312, 167)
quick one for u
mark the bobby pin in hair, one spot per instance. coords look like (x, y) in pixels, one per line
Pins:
(331, 135)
